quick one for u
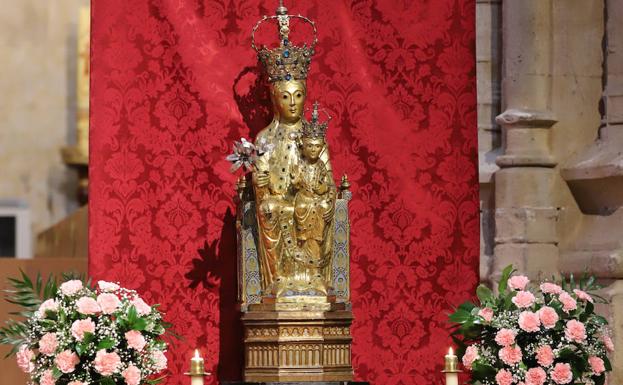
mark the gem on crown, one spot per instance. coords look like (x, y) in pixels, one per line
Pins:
(288, 61)
(314, 128)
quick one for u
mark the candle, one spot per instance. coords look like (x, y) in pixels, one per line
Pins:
(196, 364)
(451, 368)
(197, 369)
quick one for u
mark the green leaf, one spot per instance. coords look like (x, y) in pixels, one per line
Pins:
(506, 273)
(566, 354)
(599, 380)
(88, 338)
(482, 371)
(599, 319)
(107, 381)
(485, 295)
(106, 343)
(590, 308)
(460, 316)
(467, 306)
(56, 373)
(607, 364)
(132, 315)
(139, 324)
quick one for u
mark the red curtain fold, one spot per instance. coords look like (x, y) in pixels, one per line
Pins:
(174, 82)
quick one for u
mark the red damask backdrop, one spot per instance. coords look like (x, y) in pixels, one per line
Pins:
(174, 83)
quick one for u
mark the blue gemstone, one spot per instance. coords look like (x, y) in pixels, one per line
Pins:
(286, 53)
(288, 77)
(286, 42)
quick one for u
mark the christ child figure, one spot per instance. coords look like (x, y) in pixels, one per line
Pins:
(314, 204)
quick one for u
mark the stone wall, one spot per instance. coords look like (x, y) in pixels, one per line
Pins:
(551, 169)
(37, 112)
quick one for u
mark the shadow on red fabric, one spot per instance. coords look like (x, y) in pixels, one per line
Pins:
(175, 82)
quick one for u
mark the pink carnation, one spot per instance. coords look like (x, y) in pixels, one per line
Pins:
(471, 355)
(561, 374)
(529, 321)
(545, 355)
(132, 375)
(47, 378)
(504, 377)
(584, 296)
(135, 340)
(105, 363)
(88, 306)
(518, 282)
(66, 361)
(486, 313)
(160, 360)
(550, 288)
(536, 376)
(141, 307)
(48, 344)
(77, 383)
(79, 327)
(108, 302)
(568, 303)
(47, 305)
(608, 343)
(24, 359)
(71, 287)
(597, 365)
(575, 331)
(523, 299)
(107, 286)
(510, 355)
(505, 337)
(548, 317)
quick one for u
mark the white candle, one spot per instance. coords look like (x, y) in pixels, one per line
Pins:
(451, 368)
(197, 370)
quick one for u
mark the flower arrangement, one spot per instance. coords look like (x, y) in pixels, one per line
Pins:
(74, 334)
(528, 335)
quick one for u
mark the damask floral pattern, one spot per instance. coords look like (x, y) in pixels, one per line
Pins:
(174, 82)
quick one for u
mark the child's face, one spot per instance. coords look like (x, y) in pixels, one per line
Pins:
(312, 147)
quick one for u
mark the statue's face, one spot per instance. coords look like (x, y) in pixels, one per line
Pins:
(288, 99)
(312, 147)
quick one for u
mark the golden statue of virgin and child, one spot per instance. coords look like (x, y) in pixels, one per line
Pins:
(293, 231)
(293, 187)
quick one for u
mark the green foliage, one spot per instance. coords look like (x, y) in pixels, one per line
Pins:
(13, 333)
(28, 295)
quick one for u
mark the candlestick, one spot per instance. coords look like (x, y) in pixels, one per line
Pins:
(197, 369)
(451, 368)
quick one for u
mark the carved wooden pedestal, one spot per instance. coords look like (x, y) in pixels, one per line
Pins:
(304, 345)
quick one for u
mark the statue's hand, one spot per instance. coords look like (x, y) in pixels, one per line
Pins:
(262, 178)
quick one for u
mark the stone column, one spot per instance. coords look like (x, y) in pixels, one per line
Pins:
(488, 74)
(526, 212)
(613, 93)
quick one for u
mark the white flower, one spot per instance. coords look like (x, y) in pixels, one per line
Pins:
(107, 286)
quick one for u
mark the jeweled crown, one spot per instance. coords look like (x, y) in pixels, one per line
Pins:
(288, 61)
(314, 128)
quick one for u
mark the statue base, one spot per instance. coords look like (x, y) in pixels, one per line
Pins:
(299, 344)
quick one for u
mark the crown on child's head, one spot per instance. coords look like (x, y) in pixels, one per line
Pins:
(288, 61)
(314, 128)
